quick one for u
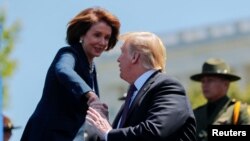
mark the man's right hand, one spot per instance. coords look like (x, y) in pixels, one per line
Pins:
(99, 124)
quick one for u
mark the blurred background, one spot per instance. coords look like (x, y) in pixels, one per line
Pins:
(192, 31)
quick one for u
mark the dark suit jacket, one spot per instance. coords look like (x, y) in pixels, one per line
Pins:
(62, 108)
(160, 112)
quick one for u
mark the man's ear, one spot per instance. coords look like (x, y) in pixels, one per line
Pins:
(136, 57)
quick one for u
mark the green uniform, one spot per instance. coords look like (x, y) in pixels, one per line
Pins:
(220, 112)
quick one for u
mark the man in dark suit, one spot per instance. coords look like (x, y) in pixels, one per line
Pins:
(158, 108)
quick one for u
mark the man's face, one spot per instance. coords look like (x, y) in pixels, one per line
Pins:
(125, 63)
(214, 87)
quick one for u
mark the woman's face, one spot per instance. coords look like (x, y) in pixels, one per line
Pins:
(96, 40)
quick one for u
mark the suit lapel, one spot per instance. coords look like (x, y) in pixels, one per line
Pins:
(118, 116)
(137, 99)
(141, 93)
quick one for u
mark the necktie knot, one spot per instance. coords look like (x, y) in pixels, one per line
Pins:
(131, 90)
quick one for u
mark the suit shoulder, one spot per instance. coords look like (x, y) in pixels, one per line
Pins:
(66, 49)
(167, 78)
(170, 82)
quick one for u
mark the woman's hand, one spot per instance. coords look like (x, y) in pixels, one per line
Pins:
(95, 103)
(101, 108)
(92, 97)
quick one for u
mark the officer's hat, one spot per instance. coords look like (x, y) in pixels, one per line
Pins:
(8, 126)
(217, 67)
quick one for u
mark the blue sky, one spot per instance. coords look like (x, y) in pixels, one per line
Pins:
(44, 27)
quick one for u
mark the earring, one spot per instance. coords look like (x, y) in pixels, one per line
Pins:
(80, 41)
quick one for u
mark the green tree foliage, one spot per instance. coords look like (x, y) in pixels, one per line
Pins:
(195, 95)
(7, 64)
(239, 93)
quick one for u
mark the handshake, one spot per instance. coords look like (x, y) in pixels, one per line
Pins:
(97, 117)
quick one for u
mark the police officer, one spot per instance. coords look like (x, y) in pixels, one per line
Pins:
(7, 128)
(215, 79)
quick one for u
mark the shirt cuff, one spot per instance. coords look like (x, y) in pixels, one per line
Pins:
(106, 135)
